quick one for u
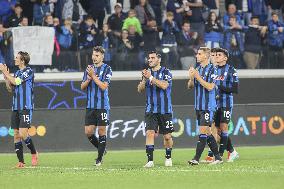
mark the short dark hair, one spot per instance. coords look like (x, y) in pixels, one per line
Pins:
(18, 5)
(99, 49)
(185, 22)
(224, 51)
(24, 57)
(155, 52)
(254, 17)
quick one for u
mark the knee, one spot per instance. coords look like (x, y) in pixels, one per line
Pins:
(167, 138)
(150, 134)
(102, 131)
(89, 132)
(17, 136)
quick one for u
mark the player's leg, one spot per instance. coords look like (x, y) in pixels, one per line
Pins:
(102, 118)
(224, 120)
(25, 122)
(151, 124)
(15, 121)
(203, 123)
(165, 124)
(90, 123)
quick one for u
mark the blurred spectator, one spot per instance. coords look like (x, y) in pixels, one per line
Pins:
(151, 37)
(24, 22)
(6, 9)
(187, 42)
(178, 8)
(56, 21)
(156, 6)
(48, 21)
(169, 42)
(105, 39)
(136, 51)
(259, 9)
(27, 6)
(211, 6)
(195, 18)
(275, 41)
(132, 20)
(213, 36)
(233, 42)
(88, 33)
(115, 21)
(73, 9)
(144, 12)
(275, 6)
(244, 8)
(66, 35)
(123, 50)
(15, 19)
(253, 39)
(97, 11)
(232, 11)
(41, 9)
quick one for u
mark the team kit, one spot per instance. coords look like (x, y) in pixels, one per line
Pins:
(213, 80)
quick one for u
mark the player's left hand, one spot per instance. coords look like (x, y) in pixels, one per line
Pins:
(91, 72)
(146, 73)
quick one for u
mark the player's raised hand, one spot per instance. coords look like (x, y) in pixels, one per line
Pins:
(146, 73)
(91, 71)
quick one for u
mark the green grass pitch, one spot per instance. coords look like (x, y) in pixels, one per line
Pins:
(258, 167)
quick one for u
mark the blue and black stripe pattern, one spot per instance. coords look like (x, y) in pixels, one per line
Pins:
(97, 98)
(159, 100)
(205, 99)
(227, 76)
(23, 95)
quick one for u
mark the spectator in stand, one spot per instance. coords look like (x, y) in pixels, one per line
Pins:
(24, 21)
(234, 43)
(123, 50)
(132, 20)
(73, 9)
(212, 6)
(105, 39)
(88, 33)
(275, 41)
(179, 9)
(275, 6)
(253, 38)
(187, 44)
(151, 37)
(213, 35)
(244, 8)
(232, 11)
(15, 19)
(66, 35)
(156, 6)
(115, 21)
(259, 9)
(6, 10)
(144, 12)
(136, 52)
(169, 42)
(48, 21)
(97, 11)
(195, 17)
(27, 6)
(41, 9)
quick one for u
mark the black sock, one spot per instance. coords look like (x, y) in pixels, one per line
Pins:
(200, 146)
(19, 151)
(149, 152)
(230, 147)
(94, 140)
(168, 153)
(213, 146)
(101, 147)
(30, 145)
(223, 143)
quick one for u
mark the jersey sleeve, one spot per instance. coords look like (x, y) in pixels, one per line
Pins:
(26, 75)
(107, 76)
(234, 77)
(167, 76)
(85, 76)
(213, 75)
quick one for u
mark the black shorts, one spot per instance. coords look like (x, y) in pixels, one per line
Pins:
(97, 117)
(204, 117)
(162, 123)
(222, 115)
(21, 119)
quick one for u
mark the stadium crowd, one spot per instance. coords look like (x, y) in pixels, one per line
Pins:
(251, 30)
